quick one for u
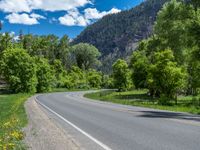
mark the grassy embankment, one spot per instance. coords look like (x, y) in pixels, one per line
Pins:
(13, 118)
(140, 98)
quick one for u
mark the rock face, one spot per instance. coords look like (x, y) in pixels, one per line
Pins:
(117, 35)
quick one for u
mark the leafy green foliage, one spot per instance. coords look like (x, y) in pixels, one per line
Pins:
(164, 77)
(196, 3)
(63, 49)
(139, 64)
(172, 27)
(86, 55)
(5, 42)
(94, 78)
(77, 78)
(121, 75)
(107, 82)
(19, 70)
(194, 78)
(49, 47)
(45, 75)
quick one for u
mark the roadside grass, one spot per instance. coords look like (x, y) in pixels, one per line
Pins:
(140, 98)
(12, 119)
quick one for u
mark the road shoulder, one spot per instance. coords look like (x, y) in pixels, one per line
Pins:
(42, 133)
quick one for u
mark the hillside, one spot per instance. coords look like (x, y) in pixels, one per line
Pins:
(117, 35)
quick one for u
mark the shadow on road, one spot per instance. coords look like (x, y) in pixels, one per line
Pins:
(169, 115)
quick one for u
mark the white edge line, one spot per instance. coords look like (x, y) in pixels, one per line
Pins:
(74, 126)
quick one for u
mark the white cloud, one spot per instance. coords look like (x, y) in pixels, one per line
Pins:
(24, 18)
(14, 6)
(93, 13)
(74, 18)
(67, 20)
(20, 11)
(37, 16)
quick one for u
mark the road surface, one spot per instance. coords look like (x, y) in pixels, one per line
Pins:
(102, 125)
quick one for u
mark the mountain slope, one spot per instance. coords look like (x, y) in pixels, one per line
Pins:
(117, 35)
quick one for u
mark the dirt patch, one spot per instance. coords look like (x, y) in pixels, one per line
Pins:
(42, 133)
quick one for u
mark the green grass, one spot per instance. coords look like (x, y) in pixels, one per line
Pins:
(13, 119)
(13, 105)
(140, 98)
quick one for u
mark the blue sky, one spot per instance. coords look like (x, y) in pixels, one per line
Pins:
(57, 16)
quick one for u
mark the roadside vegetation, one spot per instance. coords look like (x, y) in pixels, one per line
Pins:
(13, 118)
(141, 98)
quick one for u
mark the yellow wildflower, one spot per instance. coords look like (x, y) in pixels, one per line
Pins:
(7, 125)
(17, 135)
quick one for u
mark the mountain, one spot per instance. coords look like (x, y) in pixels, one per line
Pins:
(117, 35)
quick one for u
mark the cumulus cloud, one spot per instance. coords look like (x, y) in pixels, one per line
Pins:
(93, 13)
(37, 16)
(24, 18)
(20, 11)
(75, 18)
(14, 6)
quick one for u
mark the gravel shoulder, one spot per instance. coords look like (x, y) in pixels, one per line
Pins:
(42, 133)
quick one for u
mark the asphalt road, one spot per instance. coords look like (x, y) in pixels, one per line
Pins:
(118, 127)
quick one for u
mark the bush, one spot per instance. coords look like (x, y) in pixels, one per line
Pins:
(107, 82)
(121, 75)
(45, 75)
(19, 70)
(59, 72)
(164, 76)
(94, 78)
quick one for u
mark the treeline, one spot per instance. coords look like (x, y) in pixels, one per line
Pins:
(39, 63)
(167, 63)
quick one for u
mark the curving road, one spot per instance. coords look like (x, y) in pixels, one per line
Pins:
(101, 125)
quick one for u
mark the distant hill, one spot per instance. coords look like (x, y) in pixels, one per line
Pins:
(117, 35)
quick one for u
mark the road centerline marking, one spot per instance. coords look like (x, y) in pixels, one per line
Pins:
(105, 147)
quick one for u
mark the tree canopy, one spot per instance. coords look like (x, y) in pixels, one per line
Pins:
(86, 55)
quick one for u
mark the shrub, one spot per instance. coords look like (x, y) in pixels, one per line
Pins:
(94, 78)
(19, 70)
(45, 75)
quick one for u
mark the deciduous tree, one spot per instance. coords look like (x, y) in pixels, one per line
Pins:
(86, 55)
(19, 70)
(121, 75)
(164, 76)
